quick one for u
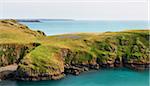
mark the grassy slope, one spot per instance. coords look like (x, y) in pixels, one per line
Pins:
(14, 32)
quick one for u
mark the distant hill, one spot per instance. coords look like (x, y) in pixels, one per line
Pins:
(39, 20)
(56, 19)
(28, 20)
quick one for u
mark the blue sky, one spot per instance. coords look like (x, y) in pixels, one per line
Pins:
(75, 9)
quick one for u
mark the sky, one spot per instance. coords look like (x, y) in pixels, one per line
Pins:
(75, 9)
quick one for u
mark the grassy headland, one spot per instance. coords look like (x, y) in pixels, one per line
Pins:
(41, 57)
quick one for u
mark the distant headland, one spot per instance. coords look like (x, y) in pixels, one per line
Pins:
(39, 20)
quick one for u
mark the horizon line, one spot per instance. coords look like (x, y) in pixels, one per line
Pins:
(72, 19)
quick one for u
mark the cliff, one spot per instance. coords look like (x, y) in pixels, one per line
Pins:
(41, 57)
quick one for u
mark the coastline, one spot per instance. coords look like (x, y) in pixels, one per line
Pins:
(42, 57)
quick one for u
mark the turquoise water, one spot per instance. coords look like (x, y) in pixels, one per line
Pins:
(105, 77)
(59, 27)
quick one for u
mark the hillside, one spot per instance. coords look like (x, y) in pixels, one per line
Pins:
(13, 32)
(41, 57)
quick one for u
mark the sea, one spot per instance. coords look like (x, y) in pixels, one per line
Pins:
(102, 77)
(78, 26)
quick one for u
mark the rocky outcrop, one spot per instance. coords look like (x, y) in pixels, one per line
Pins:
(75, 66)
(38, 66)
(7, 71)
(13, 53)
(33, 75)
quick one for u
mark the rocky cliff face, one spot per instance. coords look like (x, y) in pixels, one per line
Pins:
(13, 53)
(112, 52)
(10, 57)
(40, 57)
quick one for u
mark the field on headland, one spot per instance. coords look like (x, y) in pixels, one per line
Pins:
(41, 57)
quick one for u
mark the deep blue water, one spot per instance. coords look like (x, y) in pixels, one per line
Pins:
(59, 27)
(105, 77)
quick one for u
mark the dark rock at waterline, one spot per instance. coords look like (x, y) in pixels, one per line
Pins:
(40, 77)
(6, 75)
(137, 66)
